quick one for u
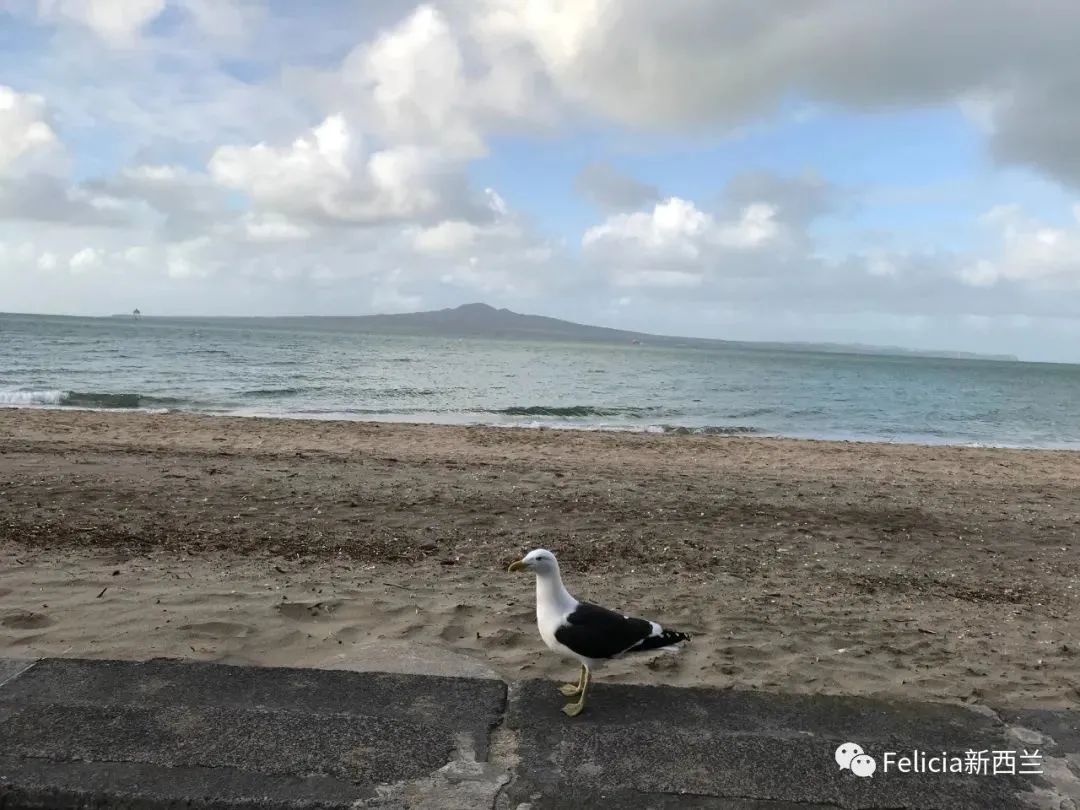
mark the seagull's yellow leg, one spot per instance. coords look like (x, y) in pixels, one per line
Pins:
(574, 709)
(574, 689)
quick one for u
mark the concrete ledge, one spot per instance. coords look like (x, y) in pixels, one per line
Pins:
(166, 733)
(639, 743)
(12, 667)
(49, 784)
(468, 705)
(163, 734)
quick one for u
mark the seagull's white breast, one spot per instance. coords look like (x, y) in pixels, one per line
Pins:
(549, 617)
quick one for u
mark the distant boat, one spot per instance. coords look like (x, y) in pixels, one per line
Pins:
(635, 342)
(136, 314)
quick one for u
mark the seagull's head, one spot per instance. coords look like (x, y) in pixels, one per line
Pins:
(540, 561)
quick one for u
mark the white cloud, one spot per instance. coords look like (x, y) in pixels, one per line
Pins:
(498, 230)
(676, 234)
(273, 228)
(47, 198)
(658, 279)
(882, 265)
(23, 127)
(308, 174)
(756, 226)
(191, 259)
(448, 237)
(673, 231)
(981, 273)
(85, 260)
(326, 175)
(228, 21)
(499, 255)
(1028, 251)
(117, 22)
(47, 261)
(184, 202)
(413, 79)
(13, 253)
(443, 77)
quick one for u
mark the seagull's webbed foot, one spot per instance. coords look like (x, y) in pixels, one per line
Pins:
(574, 689)
(574, 709)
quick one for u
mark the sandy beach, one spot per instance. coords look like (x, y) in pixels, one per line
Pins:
(935, 573)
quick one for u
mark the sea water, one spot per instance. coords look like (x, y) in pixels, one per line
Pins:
(271, 368)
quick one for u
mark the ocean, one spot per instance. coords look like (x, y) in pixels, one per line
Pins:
(311, 371)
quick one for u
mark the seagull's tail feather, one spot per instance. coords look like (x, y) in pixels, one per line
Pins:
(663, 639)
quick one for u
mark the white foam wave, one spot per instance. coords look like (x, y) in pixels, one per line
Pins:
(24, 399)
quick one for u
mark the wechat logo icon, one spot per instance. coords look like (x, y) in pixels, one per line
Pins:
(851, 756)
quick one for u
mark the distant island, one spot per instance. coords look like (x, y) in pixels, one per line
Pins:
(484, 321)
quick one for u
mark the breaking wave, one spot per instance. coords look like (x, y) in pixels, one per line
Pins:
(83, 399)
(272, 392)
(710, 430)
(27, 399)
(578, 411)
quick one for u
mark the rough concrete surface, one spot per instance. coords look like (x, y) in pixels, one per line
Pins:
(154, 734)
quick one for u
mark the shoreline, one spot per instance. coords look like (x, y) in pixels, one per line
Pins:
(931, 573)
(406, 420)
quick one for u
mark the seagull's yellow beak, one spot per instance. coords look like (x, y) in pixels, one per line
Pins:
(518, 566)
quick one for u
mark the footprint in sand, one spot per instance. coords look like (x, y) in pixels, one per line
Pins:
(351, 634)
(308, 611)
(25, 620)
(218, 630)
(502, 637)
(453, 632)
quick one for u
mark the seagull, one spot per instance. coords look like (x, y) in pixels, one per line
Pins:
(589, 633)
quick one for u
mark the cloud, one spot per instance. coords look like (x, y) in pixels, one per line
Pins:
(32, 167)
(607, 187)
(85, 260)
(677, 240)
(796, 200)
(1028, 251)
(440, 77)
(499, 255)
(449, 237)
(455, 237)
(46, 198)
(24, 129)
(47, 261)
(412, 81)
(325, 174)
(228, 22)
(117, 22)
(273, 228)
(686, 64)
(178, 202)
(757, 253)
(1037, 125)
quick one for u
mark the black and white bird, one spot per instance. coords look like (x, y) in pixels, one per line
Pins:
(589, 633)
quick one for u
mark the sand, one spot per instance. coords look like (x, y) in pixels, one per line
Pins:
(932, 573)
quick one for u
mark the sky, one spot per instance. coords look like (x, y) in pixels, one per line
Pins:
(876, 172)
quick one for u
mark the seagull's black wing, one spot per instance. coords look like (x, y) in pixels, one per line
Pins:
(596, 632)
